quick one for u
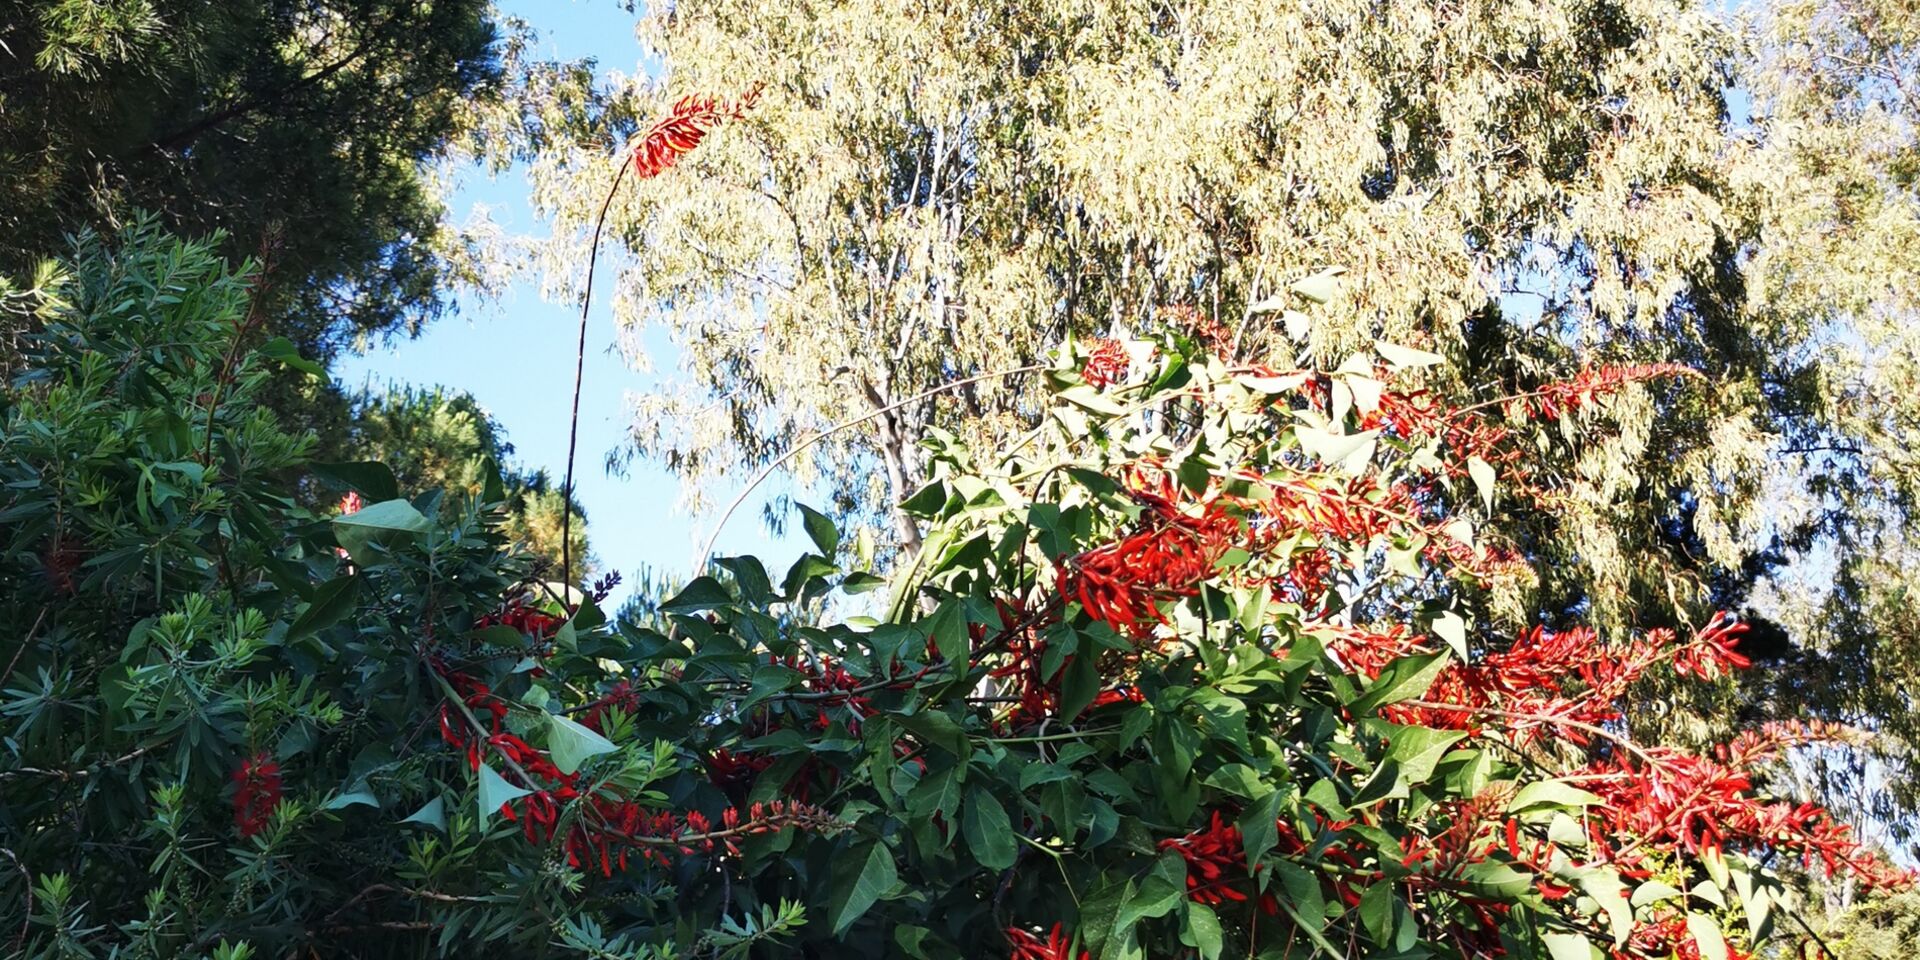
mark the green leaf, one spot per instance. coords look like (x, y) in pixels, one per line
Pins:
(928, 501)
(354, 798)
(858, 882)
(1092, 401)
(1203, 930)
(1605, 888)
(1159, 893)
(1449, 627)
(1351, 451)
(704, 593)
(332, 602)
(1404, 679)
(1403, 357)
(1259, 830)
(1377, 914)
(988, 831)
(1383, 783)
(432, 814)
(820, 529)
(1707, 936)
(1551, 793)
(571, 744)
(373, 479)
(1320, 287)
(1569, 946)
(389, 515)
(381, 522)
(283, 350)
(1496, 880)
(1483, 477)
(857, 583)
(937, 729)
(495, 792)
(1653, 891)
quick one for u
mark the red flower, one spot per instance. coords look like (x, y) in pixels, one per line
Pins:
(1106, 363)
(256, 794)
(682, 129)
(1028, 946)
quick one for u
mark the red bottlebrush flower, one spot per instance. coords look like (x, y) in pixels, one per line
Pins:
(1027, 945)
(256, 793)
(685, 125)
(1107, 363)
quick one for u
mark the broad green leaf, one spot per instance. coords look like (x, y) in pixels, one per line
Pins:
(1376, 914)
(820, 530)
(1570, 946)
(1707, 936)
(1449, 627)
(989, 833)
(1403, 357)
(858, 882)
(1159, 892)
(283, 350)
(1203, 931)
(362, 798)
(393, 515)
(1407, 678)
(1483, 478)
(1092, 401)
(432, 814)
(1350, 451)
(704, 593)
(495, 792)
(936, 729)
(331, 603)
(1604, 886)
(1284, 383)
(1298, 325)
(1496, 880)
(1653, 891)
(928, 501)
(1258, 826)
(1551, 793)
(1320, 287)
(571, 744)
(373, 479)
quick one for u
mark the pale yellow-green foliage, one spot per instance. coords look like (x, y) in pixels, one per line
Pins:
(926, 193)
(929, 192)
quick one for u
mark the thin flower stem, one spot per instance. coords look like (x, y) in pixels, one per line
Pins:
(579, 375)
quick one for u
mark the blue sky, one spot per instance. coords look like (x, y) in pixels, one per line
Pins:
(516, 356)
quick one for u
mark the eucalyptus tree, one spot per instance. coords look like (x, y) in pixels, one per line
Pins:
(924, 197)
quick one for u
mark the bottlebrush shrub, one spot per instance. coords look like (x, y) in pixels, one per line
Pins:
(1202, 668)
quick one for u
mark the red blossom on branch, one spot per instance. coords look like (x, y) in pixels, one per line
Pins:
(1106, 364)
(1028, 945)
(685, 125)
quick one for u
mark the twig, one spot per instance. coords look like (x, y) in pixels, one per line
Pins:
(7, 674)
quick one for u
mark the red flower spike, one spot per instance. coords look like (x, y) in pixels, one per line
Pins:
(256, 794)
(682, 129)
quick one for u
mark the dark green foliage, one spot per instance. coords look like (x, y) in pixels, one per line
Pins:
(298, 128)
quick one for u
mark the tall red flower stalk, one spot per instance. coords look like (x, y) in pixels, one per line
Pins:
(256, 793)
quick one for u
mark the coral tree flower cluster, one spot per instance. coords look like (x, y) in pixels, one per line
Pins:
(1544, 693)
